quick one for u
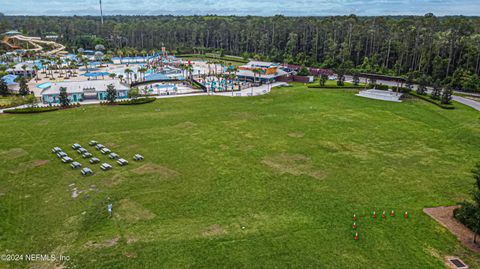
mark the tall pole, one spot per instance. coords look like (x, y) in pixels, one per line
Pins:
(101, 12)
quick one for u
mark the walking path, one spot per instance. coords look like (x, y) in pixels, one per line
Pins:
(444, 216)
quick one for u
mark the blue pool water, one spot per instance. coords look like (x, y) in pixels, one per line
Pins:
(45, 85)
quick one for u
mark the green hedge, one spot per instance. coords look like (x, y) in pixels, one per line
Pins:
(137, 101)
(433, 101)
(30, 110)
(317, 86)
(386, 87)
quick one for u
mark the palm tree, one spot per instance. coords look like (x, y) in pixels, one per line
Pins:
(112, 75)
(35, 67)
(24, 67)
(142, 71)
(128, 71)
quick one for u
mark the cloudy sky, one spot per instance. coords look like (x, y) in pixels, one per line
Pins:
(242, 7)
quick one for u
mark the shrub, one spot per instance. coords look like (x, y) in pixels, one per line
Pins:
(138, 101)
(433, 101)
(30, 110)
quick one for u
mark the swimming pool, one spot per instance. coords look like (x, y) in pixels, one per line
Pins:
(44, 86)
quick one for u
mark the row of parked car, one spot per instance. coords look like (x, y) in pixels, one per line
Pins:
(93, 160)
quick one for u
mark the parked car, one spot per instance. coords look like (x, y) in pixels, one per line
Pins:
(87, 155)
(76, 146)
(75, 165)
(62, 154)
(105, 166)
(56, 150)
(94, 160)
(122, 162)
(138, 157)
(105, 151)
(114, 156)
(99, 146)
(86, 171)
(82, 151)
(67, 159)
(93, 143)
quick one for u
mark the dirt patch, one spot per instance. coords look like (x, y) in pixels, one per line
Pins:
(296, 134)
(131, 255)
(111, 145)
(224, 147)
(131, 211)
(294, 164)
(151, 168)
(114, 181)
(444, 216)
(105, 244)
(40, 162)
(13, 153)
(43, 123)
(242, 115)
(22, 167)
(186, 125)
(131, 240)
(213, 230)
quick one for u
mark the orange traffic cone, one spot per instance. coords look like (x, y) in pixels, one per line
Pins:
(406, 215)
(356, 237)
(354, 225)
(392, 214)
(374, 215)
(354, 217)
(383, 215)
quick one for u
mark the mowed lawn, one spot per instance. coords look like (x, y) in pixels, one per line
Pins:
(262, 182)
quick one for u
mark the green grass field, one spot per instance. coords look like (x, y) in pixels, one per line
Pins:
(290, 167)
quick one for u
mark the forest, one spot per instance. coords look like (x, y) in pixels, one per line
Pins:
(445, 49)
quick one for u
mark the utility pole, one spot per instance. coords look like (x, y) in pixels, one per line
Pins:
(101, 12)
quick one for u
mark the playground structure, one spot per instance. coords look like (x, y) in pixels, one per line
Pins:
(18, 42)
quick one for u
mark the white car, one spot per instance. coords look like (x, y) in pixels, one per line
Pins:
(87, 155)
(99, 146)
(62, 154)
(122, 162)
(67, 159)
(75, 165)
(114, 156)
(56, 150)
(76, 146)
(105, 151)
(138, 157)
(81, 151)
(105, 166)
(94, 160)
(93, 143)
(87, 171)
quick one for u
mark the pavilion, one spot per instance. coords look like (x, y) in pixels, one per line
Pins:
(79, 91)
(270, 72)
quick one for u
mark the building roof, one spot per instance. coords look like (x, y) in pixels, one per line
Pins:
(248, 73)
(9, 79)
(261, 64)
(79, 86)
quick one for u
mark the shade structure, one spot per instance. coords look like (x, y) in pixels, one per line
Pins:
(95, 74)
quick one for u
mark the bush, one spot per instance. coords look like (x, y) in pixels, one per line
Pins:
(30, 110)
(433, 101)
(138, 101)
